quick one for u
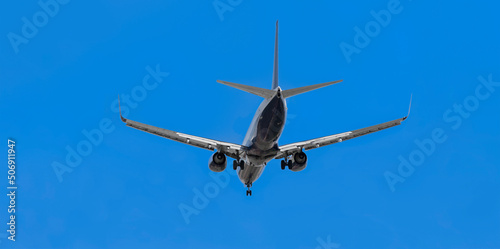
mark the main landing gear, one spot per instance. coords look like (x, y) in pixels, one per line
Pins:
(249, 192)
(285, 163)
(238, 163)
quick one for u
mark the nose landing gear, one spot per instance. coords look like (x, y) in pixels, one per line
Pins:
(249, 192)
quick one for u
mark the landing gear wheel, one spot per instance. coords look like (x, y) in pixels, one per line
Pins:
(289, 164)
(249, 192)
(283, 164)
(238, 163)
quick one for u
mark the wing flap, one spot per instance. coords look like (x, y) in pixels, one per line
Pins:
(289, 149)
(336, 138)
(230, 149)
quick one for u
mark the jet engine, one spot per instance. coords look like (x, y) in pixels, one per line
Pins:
(217, 162)
(299, 161)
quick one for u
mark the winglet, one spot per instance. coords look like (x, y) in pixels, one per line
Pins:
(409, 108)
(120, 109)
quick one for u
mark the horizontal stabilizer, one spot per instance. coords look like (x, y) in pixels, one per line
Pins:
(265, 93)
(299, 90)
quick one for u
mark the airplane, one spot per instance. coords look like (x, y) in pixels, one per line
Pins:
(261, 141)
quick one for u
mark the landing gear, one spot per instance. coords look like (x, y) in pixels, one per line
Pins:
(238, 163)
(285, 163)
(249, 192)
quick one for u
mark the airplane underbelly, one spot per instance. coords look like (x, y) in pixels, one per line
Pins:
(254, 166)
(270, 124)
(250, 174)
(262, 139)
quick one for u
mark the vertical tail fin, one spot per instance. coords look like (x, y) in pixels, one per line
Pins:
(275, 71)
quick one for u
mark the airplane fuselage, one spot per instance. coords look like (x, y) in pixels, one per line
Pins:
(261, 141)
(262, 137)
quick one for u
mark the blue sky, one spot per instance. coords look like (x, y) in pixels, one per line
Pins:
(60, 80)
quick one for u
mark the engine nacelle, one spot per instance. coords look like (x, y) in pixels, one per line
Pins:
(299, 161)
(217, 162)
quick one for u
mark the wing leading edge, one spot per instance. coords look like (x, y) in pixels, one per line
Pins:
(230, 149)
(289, 149)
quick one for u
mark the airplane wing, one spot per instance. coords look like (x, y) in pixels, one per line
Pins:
(289, 149)
(230, 149)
